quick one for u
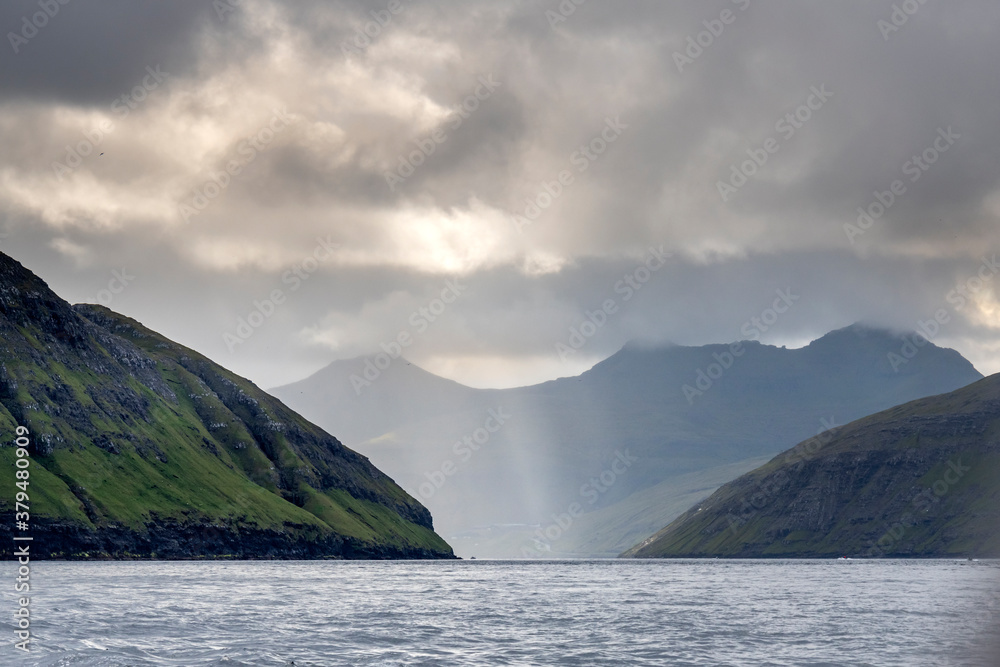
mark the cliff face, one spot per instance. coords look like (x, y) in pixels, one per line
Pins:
(141, 447)
(918, 480)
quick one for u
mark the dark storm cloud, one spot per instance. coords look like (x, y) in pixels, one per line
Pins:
(88, 53)
(890, 97)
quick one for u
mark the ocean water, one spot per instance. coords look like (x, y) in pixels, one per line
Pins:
(695, 612)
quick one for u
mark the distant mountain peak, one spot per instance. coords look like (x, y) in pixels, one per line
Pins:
(367, 370)
(861, 329)
(639, 345)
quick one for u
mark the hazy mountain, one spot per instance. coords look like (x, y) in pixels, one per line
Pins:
(670, 423)
(143, 447)
(918, 480)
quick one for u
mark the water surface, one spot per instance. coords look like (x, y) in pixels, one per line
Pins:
(696, 612)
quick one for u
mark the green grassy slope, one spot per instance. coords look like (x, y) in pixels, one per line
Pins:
(142, 447)
(918, 480)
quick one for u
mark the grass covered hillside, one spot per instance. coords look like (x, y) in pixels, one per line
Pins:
(918, 480)
(144, 448)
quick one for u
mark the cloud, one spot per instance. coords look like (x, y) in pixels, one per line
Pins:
(86, 54)
(275, 124)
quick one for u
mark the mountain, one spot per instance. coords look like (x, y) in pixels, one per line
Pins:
(627, 445)
(402, 393)
(143, 448)
(918, 480)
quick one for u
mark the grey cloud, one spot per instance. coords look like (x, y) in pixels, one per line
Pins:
(656, 184)
(90, 53)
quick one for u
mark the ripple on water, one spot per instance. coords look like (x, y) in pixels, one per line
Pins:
(508, 613)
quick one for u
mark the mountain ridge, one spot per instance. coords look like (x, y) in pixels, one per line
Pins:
(565, 431)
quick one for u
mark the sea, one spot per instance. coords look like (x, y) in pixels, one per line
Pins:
(479, 612)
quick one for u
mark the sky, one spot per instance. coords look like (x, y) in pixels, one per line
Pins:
(506, 192)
